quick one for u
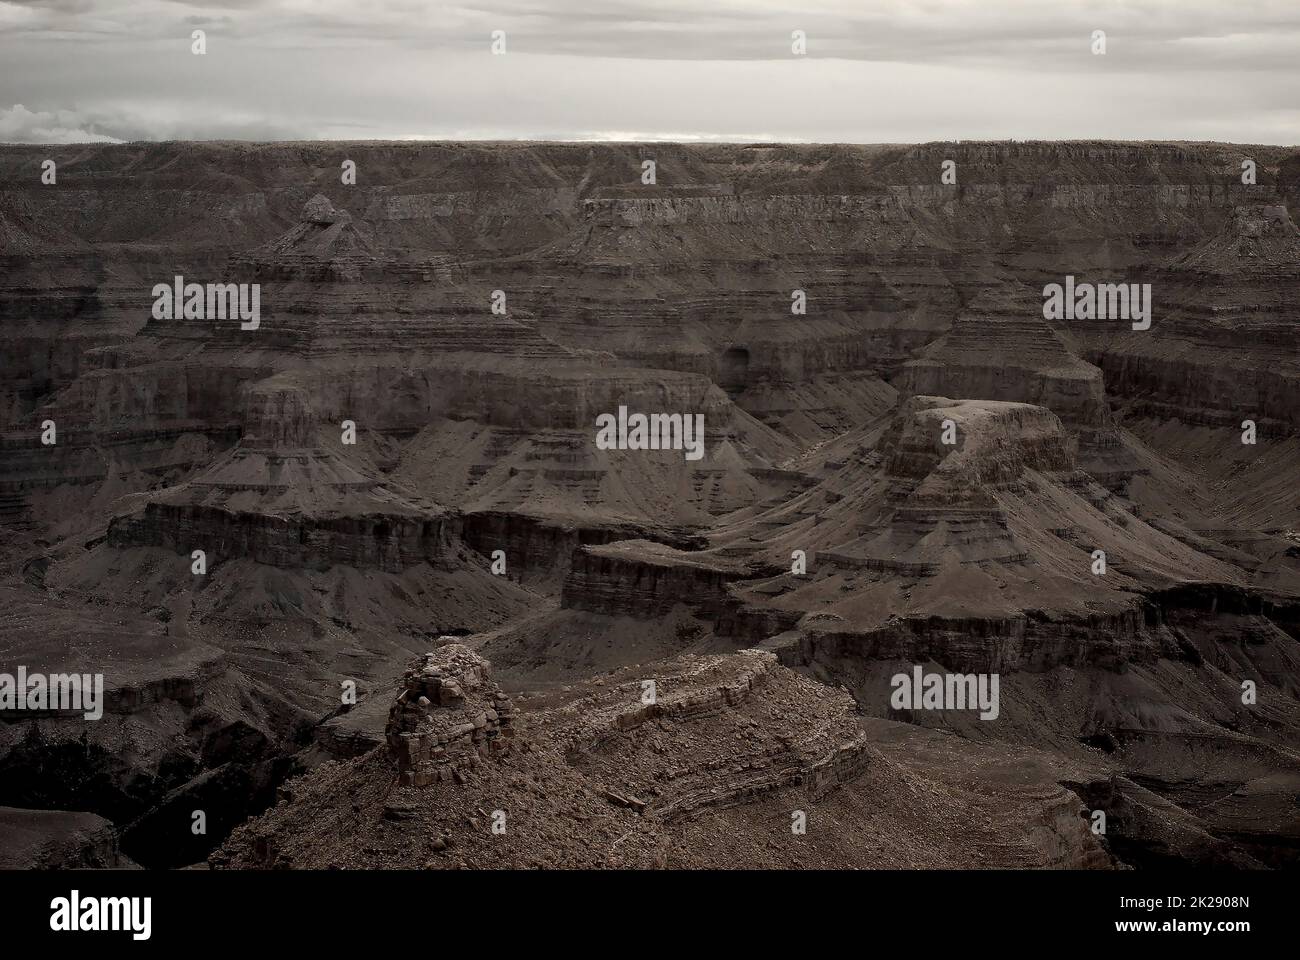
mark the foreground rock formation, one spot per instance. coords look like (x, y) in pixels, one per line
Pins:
(707, 776)
(331, 564)
(448, 717)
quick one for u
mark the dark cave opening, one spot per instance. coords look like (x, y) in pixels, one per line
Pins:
(733, 370)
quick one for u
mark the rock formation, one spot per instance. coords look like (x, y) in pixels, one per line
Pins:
(448, 716)
(922, 469)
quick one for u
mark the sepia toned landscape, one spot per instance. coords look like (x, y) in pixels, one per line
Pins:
(368, 585)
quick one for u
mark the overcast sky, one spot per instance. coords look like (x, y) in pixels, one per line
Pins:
(875, 70)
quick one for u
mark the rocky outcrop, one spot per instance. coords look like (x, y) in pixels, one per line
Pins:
(698, 702)
(643, 579)
(1031, 642)
(1257, 237)
(280, 499)
(544, 547)
(57, 840)
(448, 716)
(378, 541)
(1016, 359)
(987, 445)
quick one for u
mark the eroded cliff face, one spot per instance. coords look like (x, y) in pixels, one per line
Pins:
(906, 460)
(596, 777)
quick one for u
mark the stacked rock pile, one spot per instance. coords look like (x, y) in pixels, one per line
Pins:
(448, 716)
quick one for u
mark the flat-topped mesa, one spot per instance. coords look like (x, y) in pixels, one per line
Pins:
(320, 210)
(1257, 238)
(993, 443)
(1017, 357)
(644, 580)
(279, 456)
(448, 716)
(947, 497)
(280, 498)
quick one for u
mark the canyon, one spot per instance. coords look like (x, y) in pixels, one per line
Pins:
(311, 554)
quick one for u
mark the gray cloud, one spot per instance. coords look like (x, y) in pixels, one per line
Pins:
(20, 125)
(891, 70)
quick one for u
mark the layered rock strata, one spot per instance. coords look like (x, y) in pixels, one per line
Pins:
(448, 716)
